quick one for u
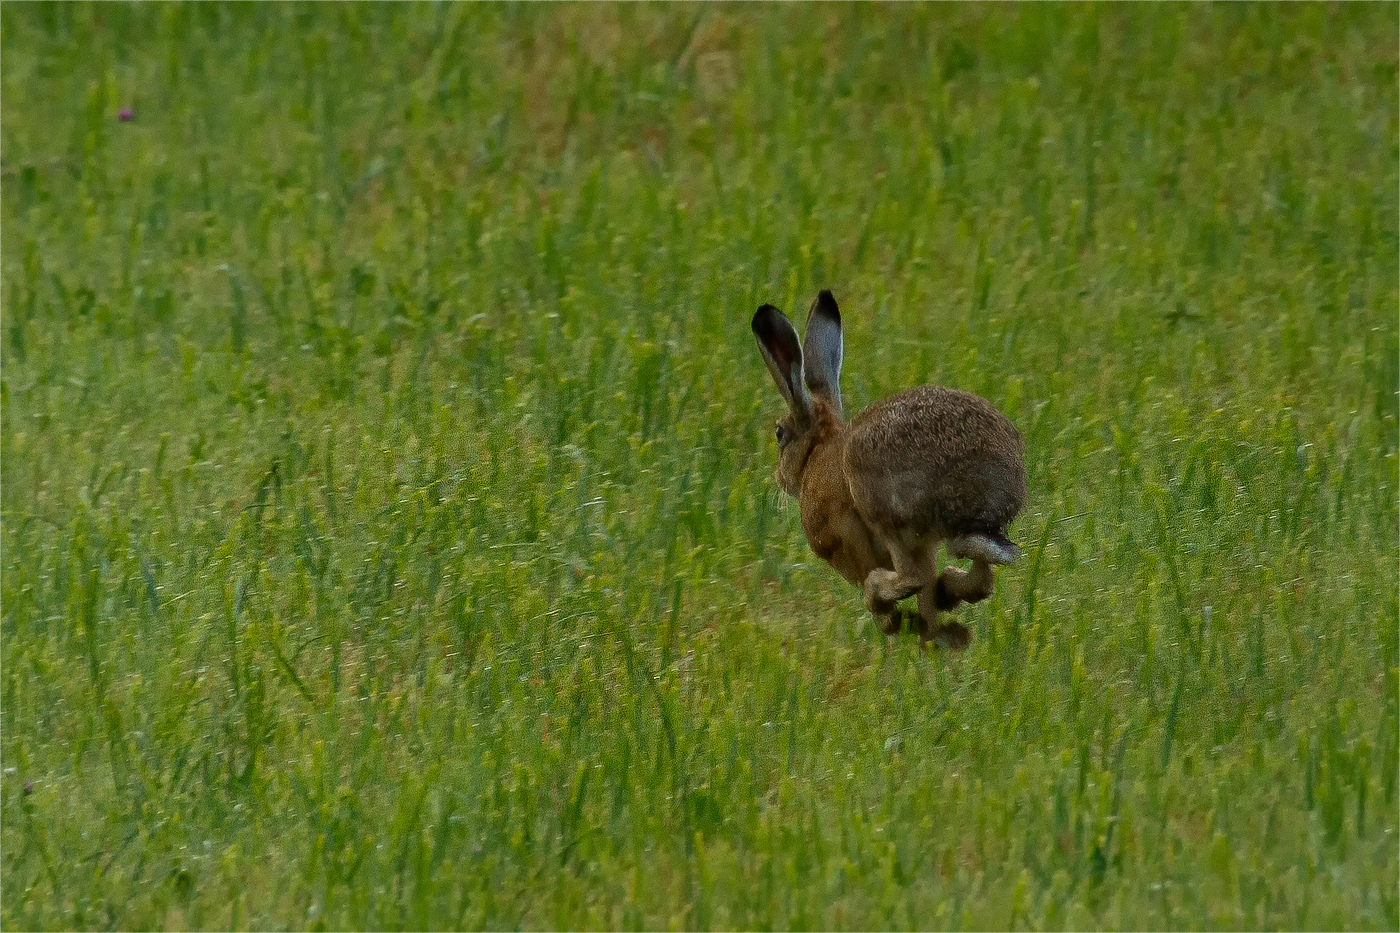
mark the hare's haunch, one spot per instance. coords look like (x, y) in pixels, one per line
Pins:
(929, 465)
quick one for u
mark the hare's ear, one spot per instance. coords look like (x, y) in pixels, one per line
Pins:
(777, 339)
(822, 350)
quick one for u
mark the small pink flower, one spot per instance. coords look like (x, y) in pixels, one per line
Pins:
(125, 115)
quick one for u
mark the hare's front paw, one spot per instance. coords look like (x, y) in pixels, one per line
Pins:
(889, 623)
(952, 636)
(884, 588)
(897, 620)
(880, 604)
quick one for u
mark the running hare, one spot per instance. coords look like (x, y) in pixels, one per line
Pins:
(878, 495)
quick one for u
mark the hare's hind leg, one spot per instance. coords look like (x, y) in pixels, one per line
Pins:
(956, 587)
(971, 586)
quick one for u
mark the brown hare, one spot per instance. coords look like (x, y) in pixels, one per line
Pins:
(879, 494)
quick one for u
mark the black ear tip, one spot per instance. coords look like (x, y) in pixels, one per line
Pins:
(826, 303)
(763, 317)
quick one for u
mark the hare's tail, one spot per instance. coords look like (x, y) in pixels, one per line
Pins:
(992, 548)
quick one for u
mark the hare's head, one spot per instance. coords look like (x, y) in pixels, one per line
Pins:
(808, 375)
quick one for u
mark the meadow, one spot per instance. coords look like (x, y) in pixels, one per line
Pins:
(388, 525)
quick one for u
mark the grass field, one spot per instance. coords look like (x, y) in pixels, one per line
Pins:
(389, 531)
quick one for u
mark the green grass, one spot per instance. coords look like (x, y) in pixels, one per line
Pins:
(389, 535)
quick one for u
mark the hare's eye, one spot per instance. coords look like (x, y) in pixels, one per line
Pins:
(782, 435)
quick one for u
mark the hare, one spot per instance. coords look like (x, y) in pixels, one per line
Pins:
(878, 495)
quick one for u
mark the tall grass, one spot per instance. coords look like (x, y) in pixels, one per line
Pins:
(385, 467)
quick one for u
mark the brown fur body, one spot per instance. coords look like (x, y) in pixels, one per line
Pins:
(934, 460)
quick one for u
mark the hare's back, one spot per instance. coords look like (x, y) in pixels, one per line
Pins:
(934, 459)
